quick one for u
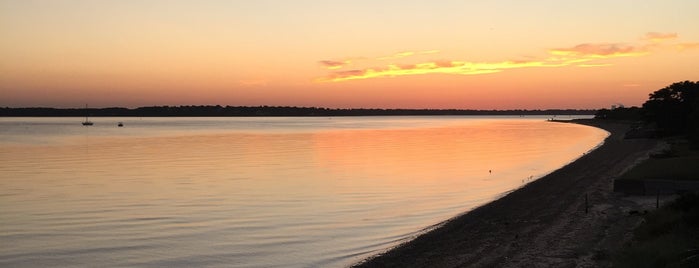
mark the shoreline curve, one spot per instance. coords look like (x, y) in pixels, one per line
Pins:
(544, 223)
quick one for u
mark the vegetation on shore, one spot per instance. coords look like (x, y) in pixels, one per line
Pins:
(678, 162)
(669, 236)
(670, 111)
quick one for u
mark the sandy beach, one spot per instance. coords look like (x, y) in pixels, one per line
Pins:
(545, 223)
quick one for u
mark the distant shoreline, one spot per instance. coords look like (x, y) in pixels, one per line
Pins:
(568, 218)
(248, 111)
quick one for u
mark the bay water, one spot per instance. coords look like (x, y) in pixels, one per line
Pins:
(256, 191)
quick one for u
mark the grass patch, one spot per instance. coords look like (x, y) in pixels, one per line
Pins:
(669, 237)
(673, 168)
(678, 163)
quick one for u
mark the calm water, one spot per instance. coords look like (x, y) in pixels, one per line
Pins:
(255, 192)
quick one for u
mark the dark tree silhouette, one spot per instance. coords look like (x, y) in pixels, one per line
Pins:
(621, 113)
(675, 109)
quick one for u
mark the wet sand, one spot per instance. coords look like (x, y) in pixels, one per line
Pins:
(545, 223)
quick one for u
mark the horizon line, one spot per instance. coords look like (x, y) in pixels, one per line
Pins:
(295, 106)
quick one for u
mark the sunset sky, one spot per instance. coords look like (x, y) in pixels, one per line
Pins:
(345, 54)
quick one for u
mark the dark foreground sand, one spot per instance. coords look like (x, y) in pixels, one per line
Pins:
(543, 224)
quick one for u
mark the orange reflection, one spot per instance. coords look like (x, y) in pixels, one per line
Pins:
(417, 158)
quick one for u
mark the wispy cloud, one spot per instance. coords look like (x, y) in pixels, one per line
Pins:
(339, 64)
(600, 51)
(434, 67)
(685, 46)
(581, 55)
(659, 37)
(333, 64)
(454, 67)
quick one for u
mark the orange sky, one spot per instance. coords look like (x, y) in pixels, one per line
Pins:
(381, 54)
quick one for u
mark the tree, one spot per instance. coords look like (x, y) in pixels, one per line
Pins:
(674, 108)
(620, 113)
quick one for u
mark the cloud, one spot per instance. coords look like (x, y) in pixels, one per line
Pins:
(685, 46)
(457, 67)
(333, 65)
(602, 51)
(582, 55)
(434, 67)
(577, 55)
(349, 73)
(659, 37)
(339, 64)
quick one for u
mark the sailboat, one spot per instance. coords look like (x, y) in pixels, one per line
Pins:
(87, 122)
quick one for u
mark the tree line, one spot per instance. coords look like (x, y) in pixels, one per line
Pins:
(672, 110)
(218, 110)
